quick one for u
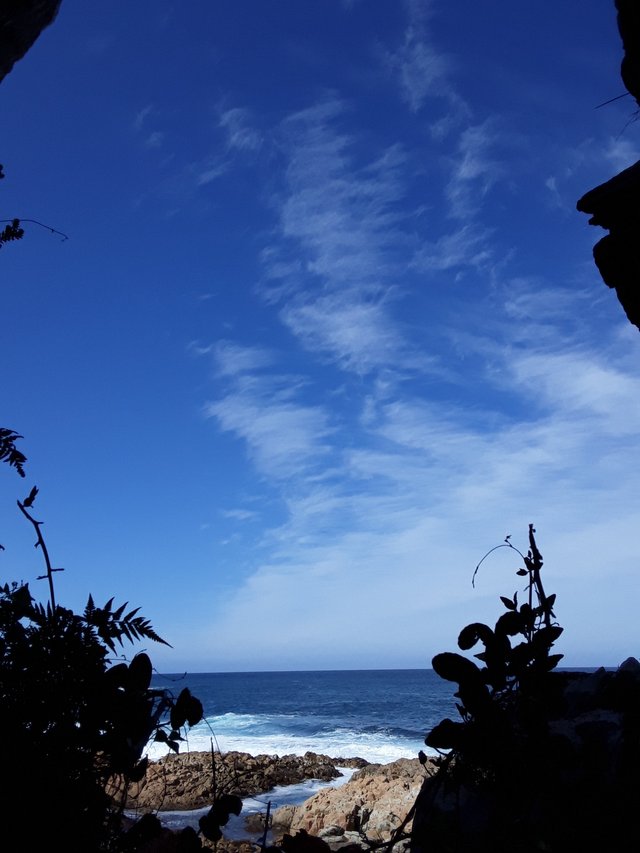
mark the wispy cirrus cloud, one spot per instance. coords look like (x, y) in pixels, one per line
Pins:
(151, 137)
(622, 152)
(475, 169)
(345, 328)
(240, 134)
(284, 435)
(232, 359)
(435, 437)
(426, 483)
(208, 170)
(423, 71)
(142, 116)
(467, 246)
(341, 241)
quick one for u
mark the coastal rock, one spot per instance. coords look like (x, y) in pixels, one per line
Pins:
(374, 802)
(186, 782)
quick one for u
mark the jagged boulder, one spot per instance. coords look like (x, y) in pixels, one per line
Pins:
(188, 781)
(374, 802)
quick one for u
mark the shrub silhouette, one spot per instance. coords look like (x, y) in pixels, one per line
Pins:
(541, 760)
(74, 724)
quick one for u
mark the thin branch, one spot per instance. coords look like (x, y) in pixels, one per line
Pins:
(45, 554)
(42, 225)
(611, 100)
(505, 544)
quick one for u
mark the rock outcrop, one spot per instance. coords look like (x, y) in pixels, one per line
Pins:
(614, 205)
(20, 25)
(374, 803)
(189, 781)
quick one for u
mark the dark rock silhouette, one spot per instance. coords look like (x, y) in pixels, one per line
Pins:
(20, 25)
(629, 28)
(615, 205)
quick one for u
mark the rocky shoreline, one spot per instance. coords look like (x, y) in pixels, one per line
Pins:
(373, 804)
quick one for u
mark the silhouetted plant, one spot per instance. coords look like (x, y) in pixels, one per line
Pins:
(12, 230)
(74, 725)
(487, 694)
(9, 452)
(540, 759)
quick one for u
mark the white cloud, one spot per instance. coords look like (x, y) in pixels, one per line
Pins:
(141, 117)
(467, 246)
(345, 328)
(622, 153)
(284, 436)
(340, 233)
(240, 134)
(398, 514)
(239, 514)
(154, 139)
(232, 359)
(474, 170)
(423, 71)
(209, 170)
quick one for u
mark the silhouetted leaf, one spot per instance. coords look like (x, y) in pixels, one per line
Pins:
(140, 672)
(187, 709)
(139, 770)
(195, 711)
(546, 637)
(473, 633)
(508, 603)
(510, 623)
(454, 667)
(209, 828)
(224, 807)
(446, 735)
(118, 613)
(116, 675)
(9, 452)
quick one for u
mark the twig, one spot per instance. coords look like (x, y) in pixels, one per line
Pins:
(45, 554)
(41, 224)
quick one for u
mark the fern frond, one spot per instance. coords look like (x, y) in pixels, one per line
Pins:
(9, 452)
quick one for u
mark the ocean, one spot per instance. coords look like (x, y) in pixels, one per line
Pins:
(378, 715)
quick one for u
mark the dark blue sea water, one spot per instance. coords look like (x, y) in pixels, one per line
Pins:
(379, 715)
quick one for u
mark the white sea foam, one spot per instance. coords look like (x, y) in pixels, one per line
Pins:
(269, 736)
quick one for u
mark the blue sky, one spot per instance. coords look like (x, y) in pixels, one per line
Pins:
(326, 327)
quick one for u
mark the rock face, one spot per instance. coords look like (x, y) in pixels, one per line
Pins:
(373, 803)
(20, 25)
(614, 204)
(186, 782)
